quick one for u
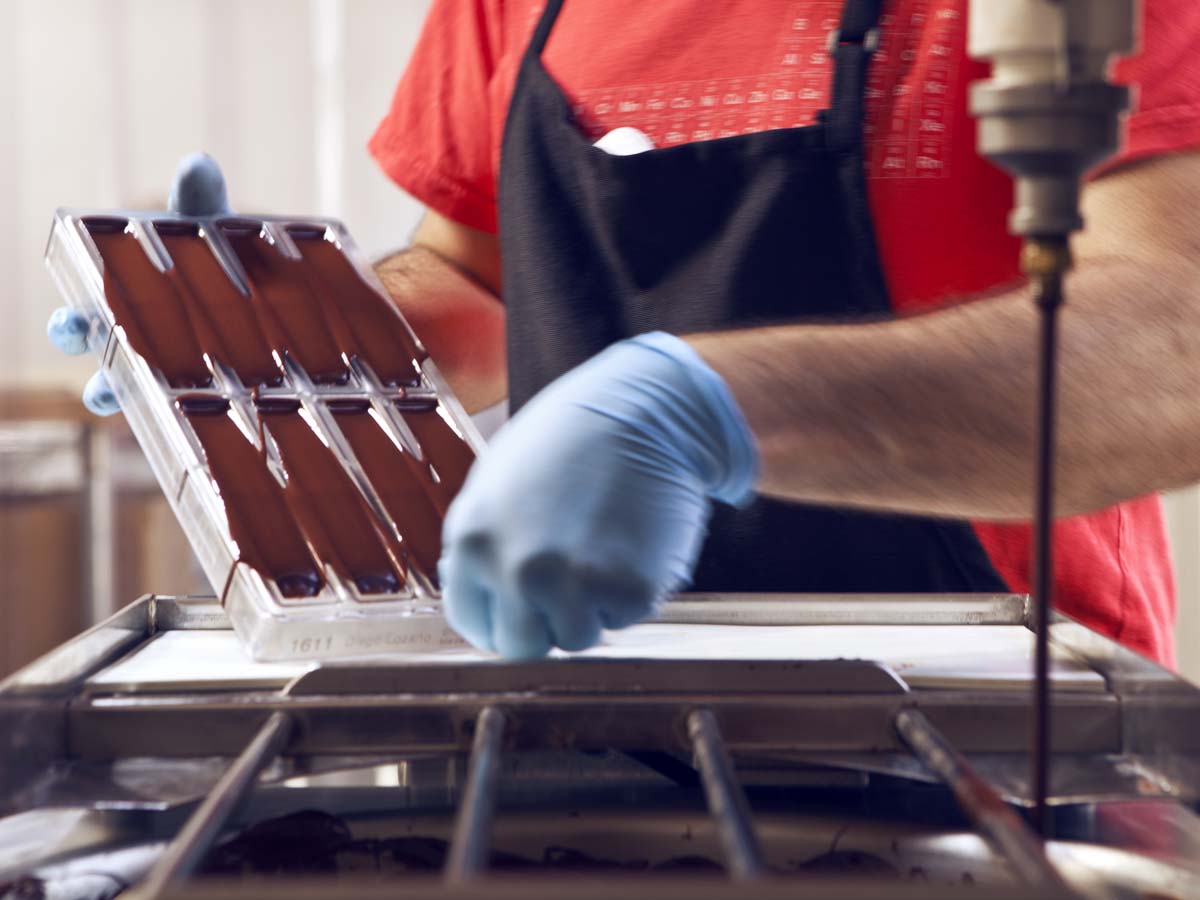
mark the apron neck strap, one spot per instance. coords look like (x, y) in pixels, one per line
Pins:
(851, 48)
(545, 24)
(859, 19)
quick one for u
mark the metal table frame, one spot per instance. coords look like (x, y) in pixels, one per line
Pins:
(712, 711)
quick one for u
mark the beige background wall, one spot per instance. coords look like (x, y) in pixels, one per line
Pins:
(99, 98)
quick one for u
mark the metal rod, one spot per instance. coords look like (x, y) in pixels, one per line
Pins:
(1046, 260)
(469, 847)
(192, 843)
(843, 609)
(726, 800)
(101, 530)
(999, 825)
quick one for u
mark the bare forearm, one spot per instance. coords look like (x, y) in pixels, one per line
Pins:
(457, 318)
(935, 414)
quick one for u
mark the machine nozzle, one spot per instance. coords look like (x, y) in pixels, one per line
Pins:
(1048, 113)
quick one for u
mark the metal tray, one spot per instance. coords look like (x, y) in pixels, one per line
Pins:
(341, 618)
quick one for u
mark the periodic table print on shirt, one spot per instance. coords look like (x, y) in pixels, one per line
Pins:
(909, 93)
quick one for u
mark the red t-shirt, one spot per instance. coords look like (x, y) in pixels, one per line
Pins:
(681, 71)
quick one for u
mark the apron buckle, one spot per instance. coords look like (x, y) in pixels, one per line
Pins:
(870, 41)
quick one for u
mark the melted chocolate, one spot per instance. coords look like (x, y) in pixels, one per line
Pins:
(446, 453)
(260, 520)
(293, 317)
(307, 841)
(225, 320)
(146, 304)
(400, 480)
(312, 841)
(376, 332)
(329, 507)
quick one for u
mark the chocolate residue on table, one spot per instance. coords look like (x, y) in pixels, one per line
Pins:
(313, 841)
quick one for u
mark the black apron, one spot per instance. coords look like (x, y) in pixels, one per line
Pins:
(760, 228)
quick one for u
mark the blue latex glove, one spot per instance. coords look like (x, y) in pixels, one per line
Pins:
(198, 189)
(590, 507)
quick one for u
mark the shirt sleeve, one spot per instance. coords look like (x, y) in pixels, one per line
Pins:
(435, 141)
(1166, 76)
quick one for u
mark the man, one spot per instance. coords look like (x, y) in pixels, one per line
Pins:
(793, 205)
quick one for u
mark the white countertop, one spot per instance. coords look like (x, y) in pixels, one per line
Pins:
(963, 657)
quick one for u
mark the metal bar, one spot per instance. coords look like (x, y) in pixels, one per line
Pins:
(103, 728)
(473, 825)
(1047, 260)
(192, 843)
(62, 670)
(760, 609)
(608, 676)
(997, 823)
(844, 609)
(101, 529)
(583, 885)
(726, 800)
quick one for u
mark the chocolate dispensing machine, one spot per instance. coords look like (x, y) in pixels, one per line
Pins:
(314, 730)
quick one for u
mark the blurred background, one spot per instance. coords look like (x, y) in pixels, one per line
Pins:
(98, 101)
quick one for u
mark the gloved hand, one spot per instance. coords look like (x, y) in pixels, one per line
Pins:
(197, 190)
(590, 506)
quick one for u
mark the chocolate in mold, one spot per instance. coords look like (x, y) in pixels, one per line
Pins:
(377, 334)
(294, 319)
(225, 319)
(259, 517)
(447, 454)
(147, 306)
(403, 484)
(330, 509)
